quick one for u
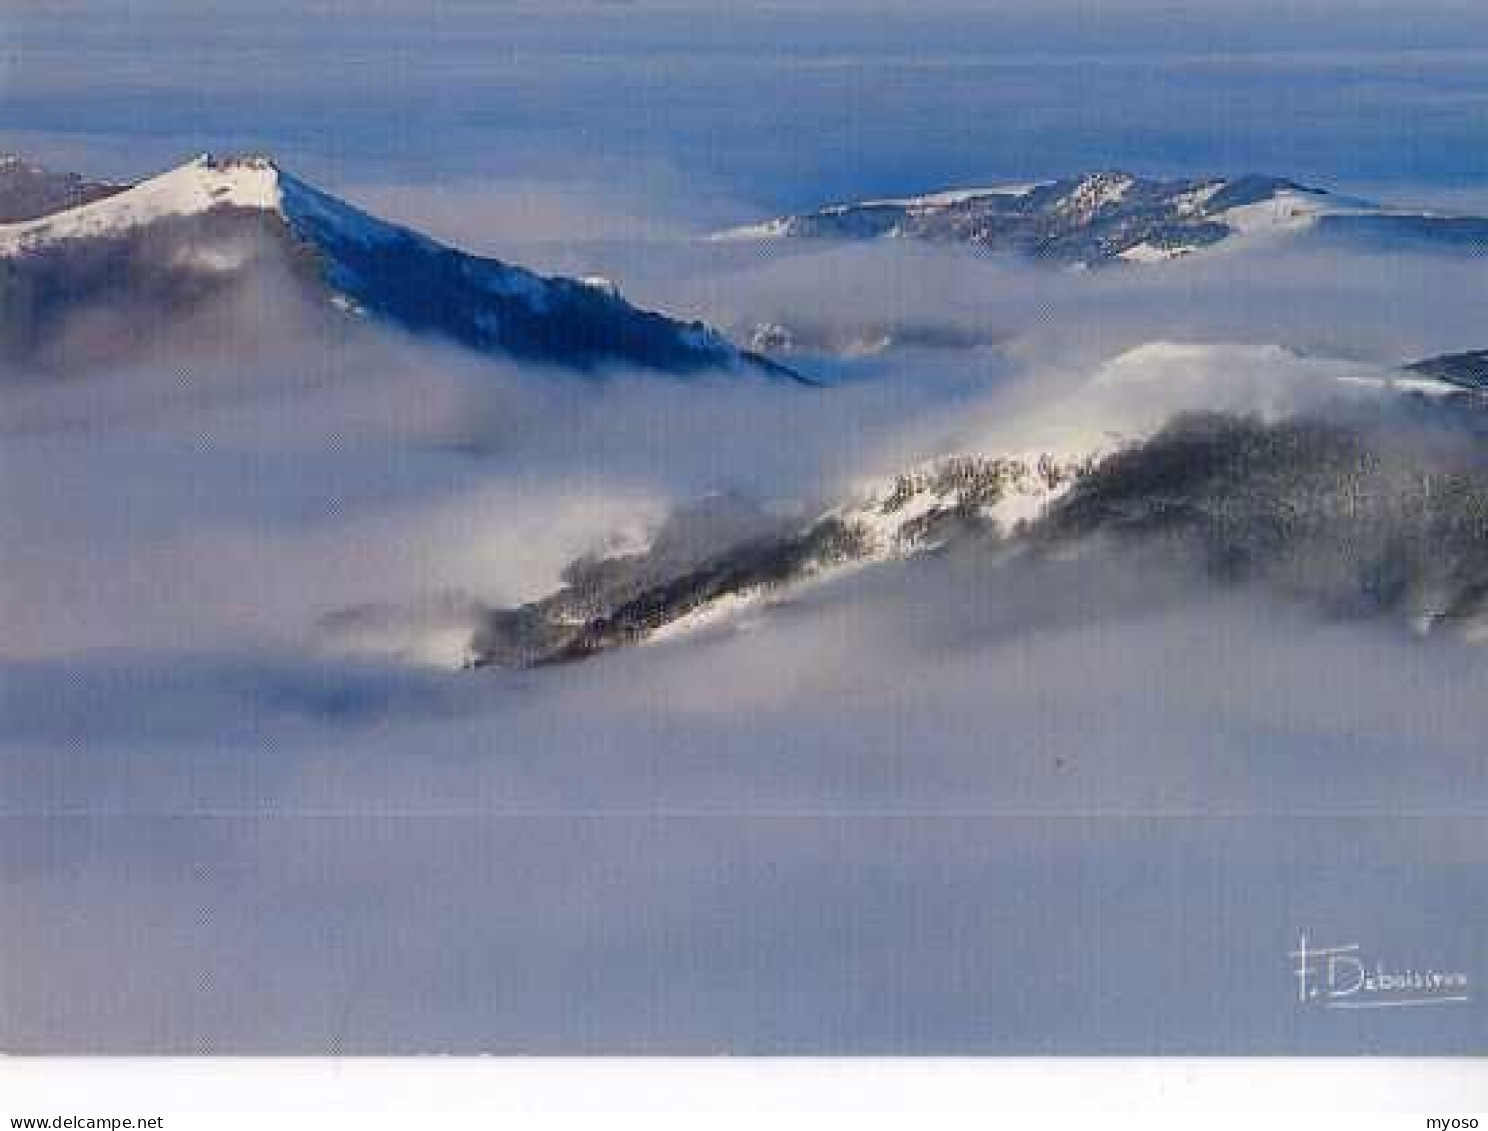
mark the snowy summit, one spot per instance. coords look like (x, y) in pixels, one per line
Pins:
(217, 216)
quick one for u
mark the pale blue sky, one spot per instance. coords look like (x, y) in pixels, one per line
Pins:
(779, 106)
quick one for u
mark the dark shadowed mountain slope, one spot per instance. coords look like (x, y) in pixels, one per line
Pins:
(1469, 370)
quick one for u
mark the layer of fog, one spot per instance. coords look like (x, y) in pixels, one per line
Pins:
(642, 228)
(923, 809)
(867, 825)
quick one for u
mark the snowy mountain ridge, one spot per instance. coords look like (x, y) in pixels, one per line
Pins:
(191, 218)
(191, 189)
(1037, 483)
(1112, 216)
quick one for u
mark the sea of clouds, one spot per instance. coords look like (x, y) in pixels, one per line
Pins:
(932, 807)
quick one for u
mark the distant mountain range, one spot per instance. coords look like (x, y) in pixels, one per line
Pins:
(176, 239)
(29, 191)
(1114, 217)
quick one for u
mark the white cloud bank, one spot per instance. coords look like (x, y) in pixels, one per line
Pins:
(929, 809)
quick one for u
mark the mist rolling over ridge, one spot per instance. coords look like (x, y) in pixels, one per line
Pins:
(453, 602)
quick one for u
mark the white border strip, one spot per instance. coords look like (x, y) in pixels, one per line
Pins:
(411, 1093)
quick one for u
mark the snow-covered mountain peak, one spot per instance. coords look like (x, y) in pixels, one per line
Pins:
(178, 236)
(239, 182)
(198, 186)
